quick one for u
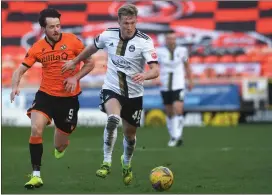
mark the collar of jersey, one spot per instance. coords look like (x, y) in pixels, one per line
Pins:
(52, 46)
(129, 38)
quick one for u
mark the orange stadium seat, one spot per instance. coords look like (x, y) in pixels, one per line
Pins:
(227, 59)
(211, 59)
(14, 29)
(242, 58)
(268, 59)
(7, 75)
(195, 59)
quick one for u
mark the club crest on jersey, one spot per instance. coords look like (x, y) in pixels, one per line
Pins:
(131, 48)
(63, 47)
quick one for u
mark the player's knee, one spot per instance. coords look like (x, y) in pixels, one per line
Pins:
(36, 130)
(178, 108)
(169, 111)
(131, 139)
(113, 121)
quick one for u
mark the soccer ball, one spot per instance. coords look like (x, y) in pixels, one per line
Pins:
(161, 178)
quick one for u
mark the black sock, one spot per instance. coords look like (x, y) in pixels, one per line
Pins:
(36, 151)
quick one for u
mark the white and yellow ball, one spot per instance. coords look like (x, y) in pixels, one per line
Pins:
(161, 178)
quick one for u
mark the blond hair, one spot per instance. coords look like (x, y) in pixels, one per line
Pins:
(127, 10)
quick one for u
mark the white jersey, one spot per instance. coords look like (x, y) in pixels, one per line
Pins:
(172, 74)
(125, 59)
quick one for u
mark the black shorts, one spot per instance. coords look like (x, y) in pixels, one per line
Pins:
(63, 110)
(131, 107)
(169, 97)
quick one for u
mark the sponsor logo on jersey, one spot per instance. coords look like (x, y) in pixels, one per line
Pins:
(53, 57)
(121, 63)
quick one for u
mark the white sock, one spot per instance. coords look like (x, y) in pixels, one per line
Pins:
(129, 147)
(177, 126)
(109, 141)
(169, 125)
(36, 173)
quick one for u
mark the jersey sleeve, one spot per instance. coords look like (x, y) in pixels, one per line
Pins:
(79, 46)
(99, 41)
(149, 52)
(30, 57)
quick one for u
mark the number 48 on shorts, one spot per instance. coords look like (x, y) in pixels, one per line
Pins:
(137, 116)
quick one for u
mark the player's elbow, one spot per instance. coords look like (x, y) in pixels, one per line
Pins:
(156, 72)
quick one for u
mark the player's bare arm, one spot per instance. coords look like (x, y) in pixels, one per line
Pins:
(189, 75)
(71, 82)
(88, 51)
(16, 78)
(151, 74)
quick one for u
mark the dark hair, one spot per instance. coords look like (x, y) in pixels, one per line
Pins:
(49, 12)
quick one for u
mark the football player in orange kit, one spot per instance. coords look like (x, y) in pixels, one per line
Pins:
(52, 101)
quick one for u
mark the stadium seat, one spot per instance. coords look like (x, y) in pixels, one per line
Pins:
(211, 59)
(227, 59)
(268, 59)
(195, 59)
(6, 76)
(242, 58)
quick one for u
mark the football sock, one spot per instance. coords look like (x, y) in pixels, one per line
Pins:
(36, 173)
(110, 136)
(129, 146)
(36, 151)
(169, 121)
(177, 126)
(109, 141)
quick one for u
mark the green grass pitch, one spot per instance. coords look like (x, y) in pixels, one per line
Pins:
(213, 160)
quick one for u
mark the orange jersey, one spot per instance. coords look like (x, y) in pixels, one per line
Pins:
(52, 58)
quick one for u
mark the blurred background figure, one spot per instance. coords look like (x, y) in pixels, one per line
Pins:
(174, 66)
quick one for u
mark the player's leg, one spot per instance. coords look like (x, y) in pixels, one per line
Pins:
(40, 114)
(131, 117)
(178, 116)
(169, 111)
(129, 143)
(38, 122)
(111, 105)
(61, 141)
(65, 116)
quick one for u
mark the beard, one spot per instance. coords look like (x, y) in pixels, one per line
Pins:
(54, 38)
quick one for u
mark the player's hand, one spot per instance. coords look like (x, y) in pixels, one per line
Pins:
(13, 93)
(139, 78)
(190, 85)
(69, 65)
(70, 84)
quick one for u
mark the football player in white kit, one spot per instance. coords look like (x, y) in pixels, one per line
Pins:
(173, 60)
(122, 92)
